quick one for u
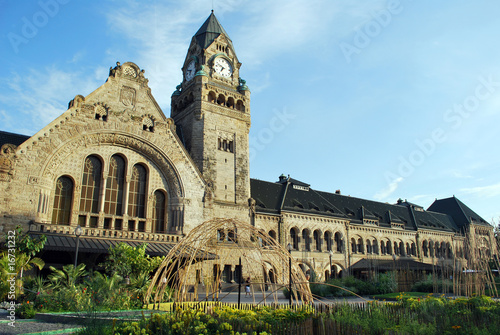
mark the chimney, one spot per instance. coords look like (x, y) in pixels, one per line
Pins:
(337, 192)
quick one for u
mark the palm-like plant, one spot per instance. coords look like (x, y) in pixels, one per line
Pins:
(67, 277)
(139, 285)
(23, 262)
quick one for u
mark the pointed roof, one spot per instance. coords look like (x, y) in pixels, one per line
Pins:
(461, 214)
(209, 31)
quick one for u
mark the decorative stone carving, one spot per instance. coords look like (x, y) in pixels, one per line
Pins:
(127, 96)
(7, 153)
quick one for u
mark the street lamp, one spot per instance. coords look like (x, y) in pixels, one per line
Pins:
(78, 232)
(331, 254)
(289, 248)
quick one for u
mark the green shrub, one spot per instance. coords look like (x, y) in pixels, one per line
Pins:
(26, 310)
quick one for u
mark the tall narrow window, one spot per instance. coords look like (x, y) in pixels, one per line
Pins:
(91, 184)
(159, 212)
(114, 187)
(137, 195)
(62, 201)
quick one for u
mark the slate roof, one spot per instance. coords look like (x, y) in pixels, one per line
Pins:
(209, 31)
(12, 138)
(461, 214)
(291, 195)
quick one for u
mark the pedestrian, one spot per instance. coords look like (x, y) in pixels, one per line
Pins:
(247, 287)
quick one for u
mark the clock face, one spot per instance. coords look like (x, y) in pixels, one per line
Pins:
(222, 67)
(190, 71)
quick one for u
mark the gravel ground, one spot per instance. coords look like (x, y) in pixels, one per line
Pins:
(37, 327)
(59, 325)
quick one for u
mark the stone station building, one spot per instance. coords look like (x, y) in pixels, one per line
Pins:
(115, 165)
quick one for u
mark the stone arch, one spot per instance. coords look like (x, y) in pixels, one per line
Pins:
(150, 151)
(212, 97)
(230, 102)
(240, 105)
(221, 99)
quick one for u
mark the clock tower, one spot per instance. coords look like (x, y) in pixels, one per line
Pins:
(211, 109)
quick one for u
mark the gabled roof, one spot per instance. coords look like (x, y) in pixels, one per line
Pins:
(461, 214)
(12, 138)
(209, 31)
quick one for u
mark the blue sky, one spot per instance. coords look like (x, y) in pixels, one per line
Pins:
(380, 99)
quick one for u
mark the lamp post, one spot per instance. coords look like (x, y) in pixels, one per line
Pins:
(331, 254)
(289, 248)
(78, 232)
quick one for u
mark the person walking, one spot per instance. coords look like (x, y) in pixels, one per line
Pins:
(247, 287)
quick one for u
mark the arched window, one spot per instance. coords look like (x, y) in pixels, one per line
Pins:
(353, 246)
(137, 194)
(307, 240)
(413, 249)
(360, 245)
(272, 234)
(317, 240)
(388, 248)
(375, 246)
(62, 201)
(382, 248)
(396, 248)
(425, 249)
(338, 242)
(328, 240)
(431, 249)
(368, 247)
(294, 239)
(91, 185)
(159, 216)
(113, 203)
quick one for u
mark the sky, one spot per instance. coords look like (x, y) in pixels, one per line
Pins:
(379, 99)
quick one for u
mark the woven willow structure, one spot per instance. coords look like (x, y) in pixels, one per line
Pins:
(209, 256)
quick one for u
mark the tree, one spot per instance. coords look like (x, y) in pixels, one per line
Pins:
(19, 257)
(126, 260)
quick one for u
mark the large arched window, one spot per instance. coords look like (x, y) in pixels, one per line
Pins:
(159, 212)
(62, 201)
(113, 203)
(137, 194)
(91, 185)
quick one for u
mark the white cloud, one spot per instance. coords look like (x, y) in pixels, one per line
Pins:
(384, 194)
(41, 95)
(483, 191)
